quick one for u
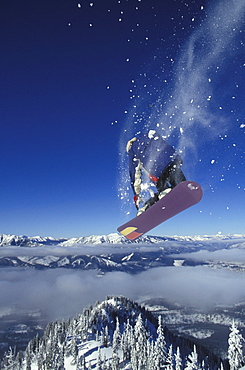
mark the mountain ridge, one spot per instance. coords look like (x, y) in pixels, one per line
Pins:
(110, 252)
(116, 333)
(112, 238)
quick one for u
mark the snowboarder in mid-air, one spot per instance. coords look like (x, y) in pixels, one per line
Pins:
(153, 155)
(150, 154)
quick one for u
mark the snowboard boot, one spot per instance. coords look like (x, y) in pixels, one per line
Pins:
(148, 204)
(163, 193)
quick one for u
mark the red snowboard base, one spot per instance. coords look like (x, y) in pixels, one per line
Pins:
(183, 196)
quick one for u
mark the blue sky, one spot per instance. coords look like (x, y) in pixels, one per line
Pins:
(78, 79)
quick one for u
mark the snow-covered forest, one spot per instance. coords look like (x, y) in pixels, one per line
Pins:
(119, 334)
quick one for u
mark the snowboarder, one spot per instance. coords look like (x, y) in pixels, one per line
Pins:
(152, 154)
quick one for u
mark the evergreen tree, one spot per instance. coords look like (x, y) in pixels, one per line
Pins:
(105, 337)
(192, 361)
(99, 361)
(19, 360)
(40, 357)
(150, 356)
(115, 359)
(126, 341)
(160, 346)
(104, 364)
(74, 350)
(61, 358)
(235, 348)
(28, 357)
(170, 359)
(115, 346)
(221, 366)
(178, 360)
(9, 360)
(116, 342)
(140, 347)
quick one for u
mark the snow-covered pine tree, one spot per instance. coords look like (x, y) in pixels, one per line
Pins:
(99, 361)
(160, 345)
(126, 341)
(170, 359)
(116, 342)
(105, 338)
(178, 360)
(74, 350)
(61, 358)
(18, 361)
(104, 364)
(192, 361)
(140, 345)
(40, 357)
(28, 356)
(9, 360)
(235, 348)
(150, 355)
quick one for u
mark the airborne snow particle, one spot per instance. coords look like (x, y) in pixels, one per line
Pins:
(212, 161)
(79, 5)
(91, 4)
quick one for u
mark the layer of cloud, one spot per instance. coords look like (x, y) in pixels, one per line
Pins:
(225, 255)
(62, 293)
(75, 250)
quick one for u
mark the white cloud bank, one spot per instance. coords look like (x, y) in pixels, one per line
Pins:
(62, 293)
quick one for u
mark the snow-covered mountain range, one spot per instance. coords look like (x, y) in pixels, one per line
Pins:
(113, 238)
(110, 252)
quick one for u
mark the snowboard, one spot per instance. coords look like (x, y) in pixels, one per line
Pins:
(181, 197)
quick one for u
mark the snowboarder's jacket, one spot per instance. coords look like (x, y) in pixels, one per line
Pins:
(148, 152)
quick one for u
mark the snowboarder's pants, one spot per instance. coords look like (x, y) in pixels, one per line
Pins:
(171, 176)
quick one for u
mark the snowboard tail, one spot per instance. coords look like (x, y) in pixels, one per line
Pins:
(183, 196)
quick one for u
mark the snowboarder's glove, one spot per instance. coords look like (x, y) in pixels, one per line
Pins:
(137, 201)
